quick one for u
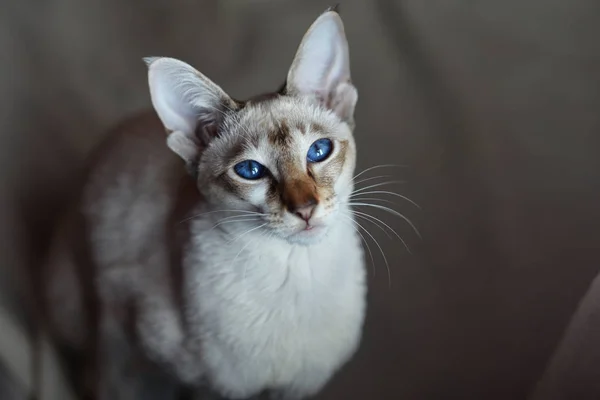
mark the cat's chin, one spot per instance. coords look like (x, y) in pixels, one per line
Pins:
(307, 237)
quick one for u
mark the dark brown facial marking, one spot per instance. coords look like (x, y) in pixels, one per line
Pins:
(254, 140)
(317, 128)
(272, 191)
(281, 134)
(234, 150)
(227, 183)
(300, 127)
(299, 193)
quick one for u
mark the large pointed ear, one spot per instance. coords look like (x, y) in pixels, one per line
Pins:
(321, 68)
(190, 106)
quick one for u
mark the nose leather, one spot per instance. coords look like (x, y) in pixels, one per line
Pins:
(300, 198)
(305, 212)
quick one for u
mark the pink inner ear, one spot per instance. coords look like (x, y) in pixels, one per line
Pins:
(206, 131)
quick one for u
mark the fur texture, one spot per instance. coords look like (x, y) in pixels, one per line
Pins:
(241, 285)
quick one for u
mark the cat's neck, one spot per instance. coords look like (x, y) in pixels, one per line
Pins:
(267, 263)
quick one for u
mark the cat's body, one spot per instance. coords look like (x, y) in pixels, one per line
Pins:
(241, 282)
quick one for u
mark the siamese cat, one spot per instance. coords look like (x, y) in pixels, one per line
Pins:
(213, 237)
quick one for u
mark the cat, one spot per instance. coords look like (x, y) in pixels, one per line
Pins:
(226, 257)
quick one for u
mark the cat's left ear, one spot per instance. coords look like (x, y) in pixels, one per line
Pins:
(321, 68)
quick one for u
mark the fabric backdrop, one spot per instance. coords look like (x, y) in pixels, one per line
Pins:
(491, 106)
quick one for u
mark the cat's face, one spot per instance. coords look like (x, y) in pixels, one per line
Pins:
(288, 157)
(285, 158)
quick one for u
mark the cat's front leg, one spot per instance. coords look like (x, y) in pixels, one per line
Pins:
(305, 387)
(111, 370)
(285, 395)
(160, 330)
(208, 395)
(204, 393)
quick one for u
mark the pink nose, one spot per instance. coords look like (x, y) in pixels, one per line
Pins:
(305, 212)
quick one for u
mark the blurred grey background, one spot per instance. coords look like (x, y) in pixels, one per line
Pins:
(493, 106)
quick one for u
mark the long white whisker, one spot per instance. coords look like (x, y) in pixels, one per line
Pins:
(216, 211)
(376, 185)
(376, 199)
(365, 215)
(358, 214)
(372, 178)
(241, 216)
(363, 239)
(247, 218)
(378, 166)
(228, 261)
(248, 231)
(387, 265)
(385, 192)
(391, 211)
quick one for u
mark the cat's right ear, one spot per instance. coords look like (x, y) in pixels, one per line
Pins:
(190, 106)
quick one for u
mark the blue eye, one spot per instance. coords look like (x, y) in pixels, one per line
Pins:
(319, 150)
(250, 169)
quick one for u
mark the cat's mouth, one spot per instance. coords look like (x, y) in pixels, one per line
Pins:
(308, 232)
(309, 227)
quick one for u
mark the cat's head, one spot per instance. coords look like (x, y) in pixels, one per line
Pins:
(289, 155)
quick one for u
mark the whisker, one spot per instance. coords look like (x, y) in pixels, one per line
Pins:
(378, 166)
(246, 218)
(373, 177)
(376, 199)
(229, 260)
(391, 211)
(242, 216)
(358, 214)
(363, 239)
(376, 185)
(248, 231)
(386, 192)
(216, 211)
(365, 215)
(387, 265)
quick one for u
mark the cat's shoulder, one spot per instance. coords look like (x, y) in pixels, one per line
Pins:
(131, 161)
(134, 186)
(135, 191)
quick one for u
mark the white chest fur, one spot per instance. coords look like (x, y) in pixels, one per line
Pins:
(276, 316)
